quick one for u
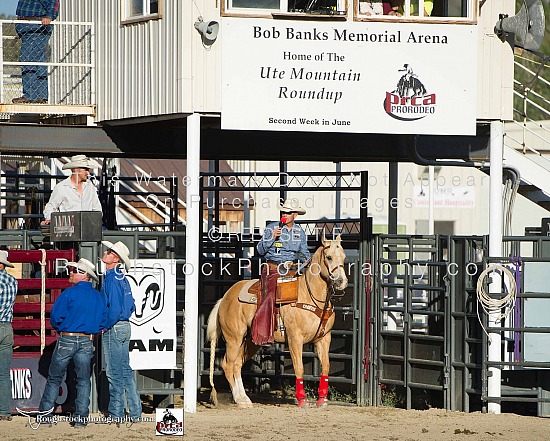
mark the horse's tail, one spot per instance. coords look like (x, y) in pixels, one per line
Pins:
(212, 334)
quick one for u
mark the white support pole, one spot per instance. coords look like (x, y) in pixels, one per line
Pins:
(495, 250)
(192, 241)
(431, 176)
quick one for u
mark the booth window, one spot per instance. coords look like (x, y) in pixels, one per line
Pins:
(400, 10)
(140, 10)
(430, 10)
(259, 8)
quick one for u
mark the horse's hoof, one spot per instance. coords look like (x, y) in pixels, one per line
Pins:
(303, 403)
(245, 405)
(322, 403)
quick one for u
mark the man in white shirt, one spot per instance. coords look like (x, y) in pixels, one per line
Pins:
(75, 193)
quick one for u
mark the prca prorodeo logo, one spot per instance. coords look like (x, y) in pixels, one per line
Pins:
(169, 421)
(410, 100)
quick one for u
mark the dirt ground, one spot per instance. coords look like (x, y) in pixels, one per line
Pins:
(287, 422)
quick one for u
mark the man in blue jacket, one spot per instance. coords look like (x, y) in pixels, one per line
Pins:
(116, 340)
(78, 313)
(34, 42)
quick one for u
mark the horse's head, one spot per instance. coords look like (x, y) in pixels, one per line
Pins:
(333, 257)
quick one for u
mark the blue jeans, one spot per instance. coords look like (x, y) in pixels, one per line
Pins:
(34, 44)
(116, 352)
(80, 350)
(6, 349)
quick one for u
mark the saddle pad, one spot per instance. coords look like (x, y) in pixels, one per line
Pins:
(247, 297)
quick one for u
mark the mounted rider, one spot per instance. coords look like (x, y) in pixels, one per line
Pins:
(283, 245)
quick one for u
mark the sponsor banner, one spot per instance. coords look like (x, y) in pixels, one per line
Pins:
(28, 379)
(445, 197)
(169, 421)
(154, 336)
(356, 77)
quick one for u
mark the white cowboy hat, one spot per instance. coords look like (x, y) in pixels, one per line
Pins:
(4, 259)
(120, 250)
(85, 265)
(80, 161)
(292, 205)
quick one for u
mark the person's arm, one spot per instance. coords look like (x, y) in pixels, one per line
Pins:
(59, 311)
(115, 299)
(104, 317)
(393, 7)
(90, 198)
(54, 203)
(51, 7)
(266, 242)
(303, 252)
(96, 205)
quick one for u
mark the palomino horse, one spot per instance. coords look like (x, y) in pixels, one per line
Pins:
(310, 319)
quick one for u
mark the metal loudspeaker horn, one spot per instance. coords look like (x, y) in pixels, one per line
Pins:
(208, 30)
(527, 25)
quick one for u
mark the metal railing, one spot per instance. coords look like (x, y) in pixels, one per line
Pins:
(70, 63)
(531, 108)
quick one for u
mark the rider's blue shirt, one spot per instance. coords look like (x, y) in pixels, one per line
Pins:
(290, 245)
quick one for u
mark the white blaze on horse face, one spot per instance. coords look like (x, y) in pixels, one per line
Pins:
(334, 259)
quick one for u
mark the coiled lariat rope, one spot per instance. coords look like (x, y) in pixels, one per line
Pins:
(502, 306)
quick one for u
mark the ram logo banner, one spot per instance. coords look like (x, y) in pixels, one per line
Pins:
(148, 291)
(153, 343)
(169, 422)
(410, 100)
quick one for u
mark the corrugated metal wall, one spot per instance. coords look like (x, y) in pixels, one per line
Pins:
(146, 68)
(76, 10)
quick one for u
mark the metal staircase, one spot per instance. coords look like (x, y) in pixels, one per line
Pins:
(527, 138)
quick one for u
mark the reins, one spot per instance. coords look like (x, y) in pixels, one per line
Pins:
(330, 293)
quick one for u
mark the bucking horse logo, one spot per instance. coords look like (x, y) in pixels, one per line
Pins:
(410, 100)
(409, 85)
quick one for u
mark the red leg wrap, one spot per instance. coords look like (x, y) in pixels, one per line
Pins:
(300, 392)
(323, 386)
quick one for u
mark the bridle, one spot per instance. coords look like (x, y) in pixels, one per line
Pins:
(331, 290)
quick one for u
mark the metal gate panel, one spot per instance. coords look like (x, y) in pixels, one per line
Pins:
(465, 334)
(411, 300)
(274, 365)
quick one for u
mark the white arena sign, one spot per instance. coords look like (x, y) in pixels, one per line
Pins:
(356, 77)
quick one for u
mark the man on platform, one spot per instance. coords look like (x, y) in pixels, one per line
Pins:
(34, 43)
(76, 193)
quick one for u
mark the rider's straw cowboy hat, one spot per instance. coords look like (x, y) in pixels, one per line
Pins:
(85, 265)
(80, 161)
(4, 259)
(292, 205)
(120, 250)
